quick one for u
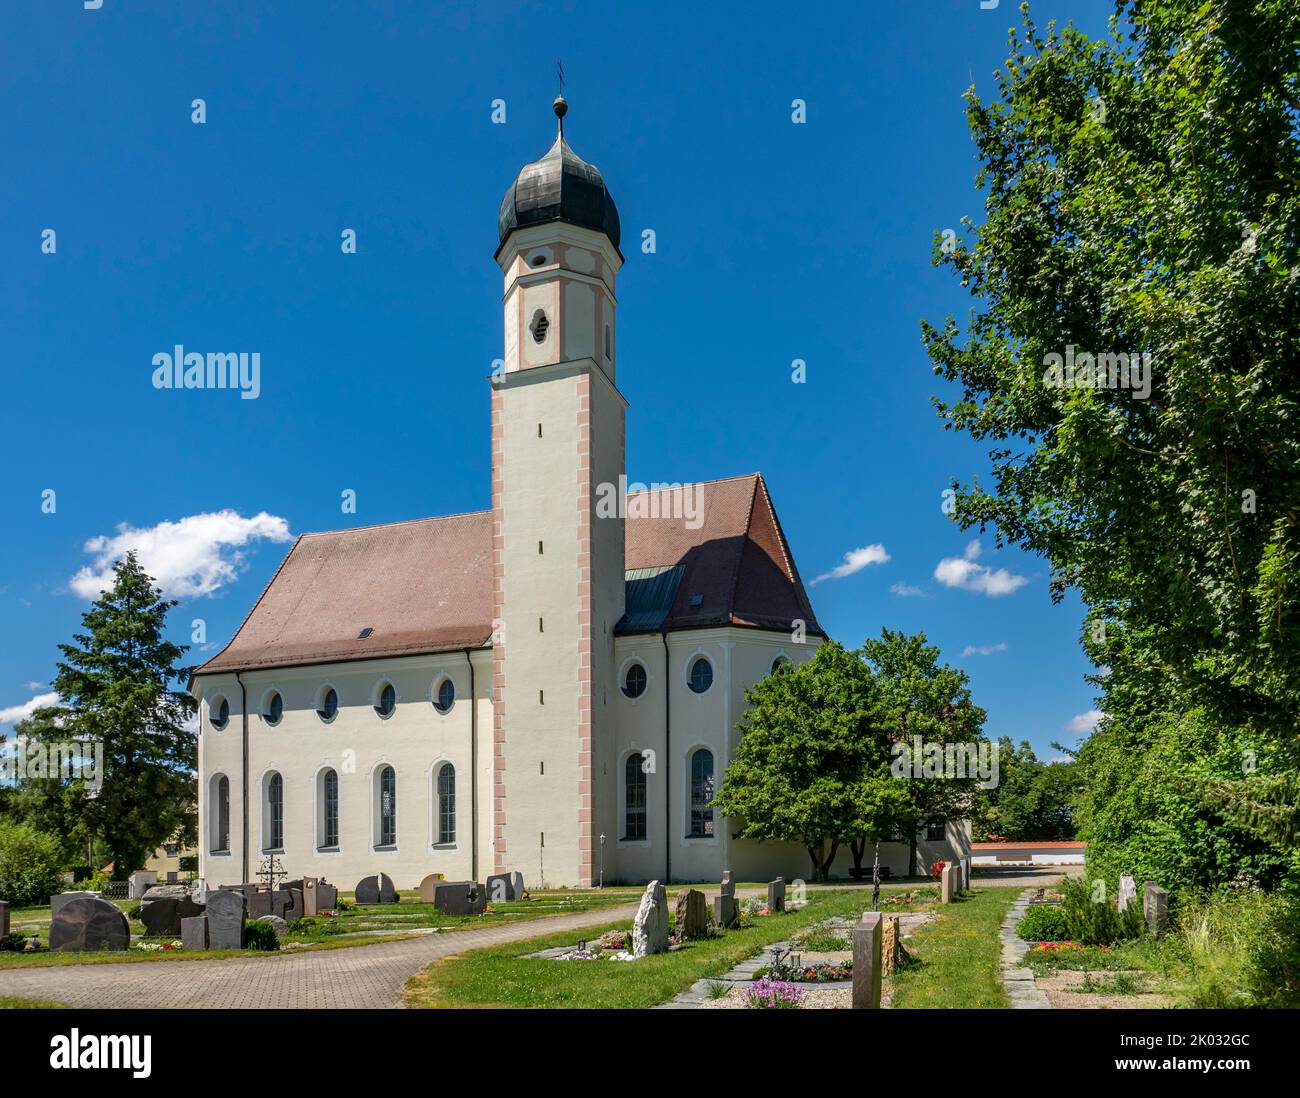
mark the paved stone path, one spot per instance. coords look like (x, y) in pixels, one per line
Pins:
(357, 976)
(1018, 980)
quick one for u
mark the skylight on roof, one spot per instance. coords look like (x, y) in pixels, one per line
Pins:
(365, 633)
(697, 600)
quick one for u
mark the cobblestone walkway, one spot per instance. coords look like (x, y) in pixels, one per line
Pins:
(1022, 992)
(358, 976)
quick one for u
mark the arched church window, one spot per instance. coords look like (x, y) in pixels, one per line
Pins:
(387, 830)
(273, 836)
(447, 804)
(220, 816)
(327, 837)
(701, 677)
(634, 811)
(701, 794)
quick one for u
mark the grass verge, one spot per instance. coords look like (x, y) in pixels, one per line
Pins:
(957, 957)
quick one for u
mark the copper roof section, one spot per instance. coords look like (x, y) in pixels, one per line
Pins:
(426, 586)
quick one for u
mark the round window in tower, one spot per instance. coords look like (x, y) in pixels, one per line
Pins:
(701, 675)
(387, 700)
(634, 681)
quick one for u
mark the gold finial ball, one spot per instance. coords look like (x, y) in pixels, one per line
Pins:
(560, 106)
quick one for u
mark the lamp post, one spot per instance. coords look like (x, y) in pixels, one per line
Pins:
(602, 859)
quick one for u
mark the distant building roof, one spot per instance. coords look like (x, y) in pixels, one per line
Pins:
(426, 585)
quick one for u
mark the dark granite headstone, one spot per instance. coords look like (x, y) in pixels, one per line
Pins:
(88, 924)
(327, 897)
(226, 919)
(4, 918)
(867, 943)
(505, 887)
(376, 890)
(776, 895)
(194, 932)
(726, 911)
(457, 897)
(294, 911)
(60, 898)
(164, 906)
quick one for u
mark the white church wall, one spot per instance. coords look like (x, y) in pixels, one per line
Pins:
(356, 744)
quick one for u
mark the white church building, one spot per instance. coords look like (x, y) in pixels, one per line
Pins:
(550, 686)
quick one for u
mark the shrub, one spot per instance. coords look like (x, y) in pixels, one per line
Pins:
(13, 943)
(1044, 923)
(768, 994)
(260, 936)
(1097, 922)
(1241, 949)
(30, 864)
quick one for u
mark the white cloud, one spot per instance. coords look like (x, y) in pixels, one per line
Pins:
(194, 556)
(907, 590)
(967, 573)
(1083, 722)
(16, 713)
(854, 561)
(983, 649)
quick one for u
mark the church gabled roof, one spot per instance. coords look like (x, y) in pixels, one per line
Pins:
(426, 585)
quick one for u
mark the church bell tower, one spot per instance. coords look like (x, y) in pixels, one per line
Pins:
(557, 436)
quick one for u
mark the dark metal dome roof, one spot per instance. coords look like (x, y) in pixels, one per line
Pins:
(561, 186)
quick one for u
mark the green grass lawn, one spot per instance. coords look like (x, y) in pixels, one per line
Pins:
(9, 1003)
(502, 976)
(958, 956)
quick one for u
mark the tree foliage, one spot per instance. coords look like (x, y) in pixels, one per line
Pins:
(1142, 196)
(115, 684)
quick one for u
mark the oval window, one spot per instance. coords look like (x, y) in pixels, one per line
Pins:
(701, 675)
(387, 700)
(539, 326)
(329, 705)
(274, 709)
(634, 681)
(219, 716)
(780, 665)
(446, 696)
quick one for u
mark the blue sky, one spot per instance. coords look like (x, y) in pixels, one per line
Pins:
(775, 241)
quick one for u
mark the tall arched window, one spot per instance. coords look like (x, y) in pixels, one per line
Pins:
(447, 804)
(701, 794)
(273, 836)
(327, 836)
(220, 817)
(634, 811)
(387, 830)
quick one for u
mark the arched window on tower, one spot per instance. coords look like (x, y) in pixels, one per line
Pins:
(219, 816)
(327, 830)
(386, 831)
(273, 809)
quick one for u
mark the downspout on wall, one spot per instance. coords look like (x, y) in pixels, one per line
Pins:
(243, 710)
(473, 772)
(668, 785)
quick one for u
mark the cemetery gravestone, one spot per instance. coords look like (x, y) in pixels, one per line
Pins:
(1155, 908)
(946, 882)
(454, 897)
(294, 910)
(226, 919)
(277, 924)
(1127, 891)
(504, 887)
(867, 940)
(888, 944)
(376, 890)
(776, 896)
(650, 928)
(194, 932)
(309, 896)
(90, 924)
(327, 897)
(726, 912)
(692, 916)
(164, 906)
(57, 901)
(4, 918)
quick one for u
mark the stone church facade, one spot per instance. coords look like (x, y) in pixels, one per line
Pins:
(551, 685)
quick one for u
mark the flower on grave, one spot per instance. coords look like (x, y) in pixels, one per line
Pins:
(937, 868)
(768, 994)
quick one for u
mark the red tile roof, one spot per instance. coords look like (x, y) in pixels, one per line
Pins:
(426, 585)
